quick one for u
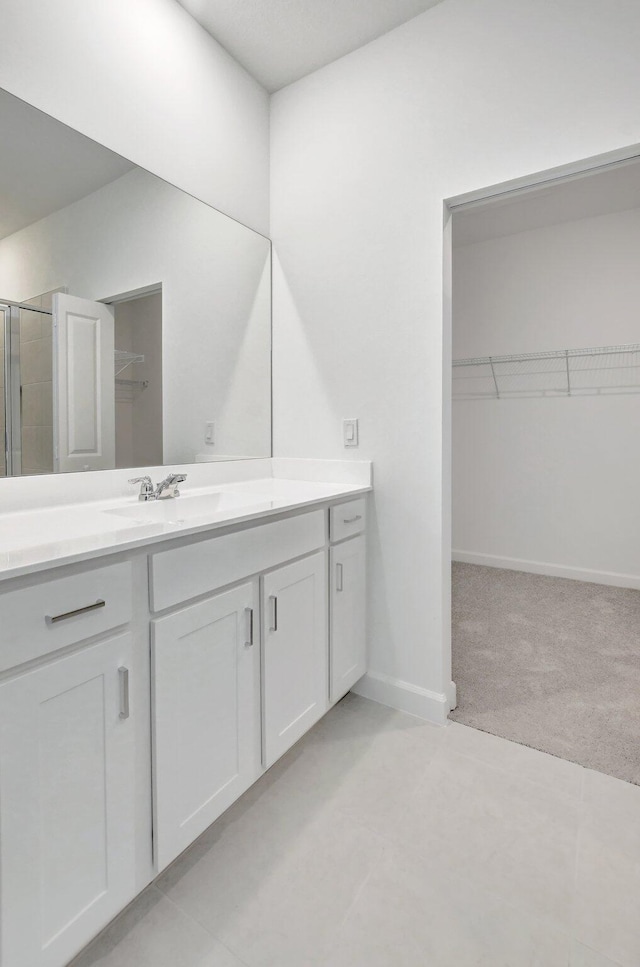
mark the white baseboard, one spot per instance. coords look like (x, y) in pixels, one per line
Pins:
(552, 570)
(432, 706)
(452, 695)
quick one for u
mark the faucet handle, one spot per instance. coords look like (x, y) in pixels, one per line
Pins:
(146, 490)
(169, 486)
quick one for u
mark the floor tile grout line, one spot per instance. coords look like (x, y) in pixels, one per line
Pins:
(574, 898)
(593, 950)
(202, 926)
(511, 772)
(358, 894)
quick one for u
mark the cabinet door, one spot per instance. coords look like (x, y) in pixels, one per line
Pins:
(348, 659)
(66, 803)
(295, 659)
(206, 715)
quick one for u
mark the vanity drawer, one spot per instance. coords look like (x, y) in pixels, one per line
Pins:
(52, 615)
(348, 519)
(187, 572)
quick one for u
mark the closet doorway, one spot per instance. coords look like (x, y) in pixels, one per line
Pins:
(546, 466)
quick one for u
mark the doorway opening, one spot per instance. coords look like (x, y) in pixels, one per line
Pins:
(545, 402)
(138, 380)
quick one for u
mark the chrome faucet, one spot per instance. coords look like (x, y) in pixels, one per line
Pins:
(165, 489)
(169, 486)
(146, 489)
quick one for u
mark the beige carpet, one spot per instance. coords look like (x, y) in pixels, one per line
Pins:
(550, 663)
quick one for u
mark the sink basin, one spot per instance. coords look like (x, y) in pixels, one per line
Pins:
(180, 510)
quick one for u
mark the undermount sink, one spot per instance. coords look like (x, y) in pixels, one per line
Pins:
(178, 510)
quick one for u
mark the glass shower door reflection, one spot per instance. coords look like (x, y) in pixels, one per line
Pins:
(36, 392)
(27, 392)
(3, 408)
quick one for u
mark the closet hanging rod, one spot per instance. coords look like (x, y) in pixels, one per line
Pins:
(140, 383)
(546, 372)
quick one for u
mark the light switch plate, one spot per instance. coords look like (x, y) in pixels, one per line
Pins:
(350, 433)
(209, 432)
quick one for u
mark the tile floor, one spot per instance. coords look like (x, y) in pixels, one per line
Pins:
(382, 841)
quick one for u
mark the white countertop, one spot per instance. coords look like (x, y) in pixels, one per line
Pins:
(39, 538)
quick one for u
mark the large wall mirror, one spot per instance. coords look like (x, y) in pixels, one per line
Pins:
(135, 320)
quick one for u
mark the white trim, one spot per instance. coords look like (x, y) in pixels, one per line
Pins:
(552, 570)
(452, 695)
(432, 706)
(469, 199)
(539, 179)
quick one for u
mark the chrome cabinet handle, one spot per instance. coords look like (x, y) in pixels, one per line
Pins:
(351, 520)
(51, 620)
(338, 577)
(273, 601)
(123, 676)
(249, 616)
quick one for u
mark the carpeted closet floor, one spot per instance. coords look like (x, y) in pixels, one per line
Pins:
(551, 663)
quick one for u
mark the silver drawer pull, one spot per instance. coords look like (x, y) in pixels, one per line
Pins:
(71, 614)
(123, 677)
(249, 616)
(273, 601)
(351, 520)
(338, 577)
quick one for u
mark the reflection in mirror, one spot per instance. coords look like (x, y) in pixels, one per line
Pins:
(135, 320)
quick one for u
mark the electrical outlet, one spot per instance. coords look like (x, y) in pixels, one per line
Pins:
(209, 433)
(350, 433)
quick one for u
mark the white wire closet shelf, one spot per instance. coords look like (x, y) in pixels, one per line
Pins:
(603, 371)
(127, 389)
(122, 359)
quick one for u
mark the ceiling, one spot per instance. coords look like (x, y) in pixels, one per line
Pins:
(280, 41)
(612, 189)
(45, 166)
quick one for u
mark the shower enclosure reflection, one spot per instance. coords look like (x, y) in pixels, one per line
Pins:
(27, 398)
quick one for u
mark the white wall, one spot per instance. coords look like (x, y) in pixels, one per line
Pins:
(550, 483)
(363, 153)
(144, 79)
(136, 233)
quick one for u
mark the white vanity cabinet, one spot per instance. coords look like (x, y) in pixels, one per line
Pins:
(237, 677)
(235, 643)
(295, 653)
(348, 643)
(347, 581)
(206, 711)
(66, 803)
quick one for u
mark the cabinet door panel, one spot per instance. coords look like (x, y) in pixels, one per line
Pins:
(206, 715)
(295, 659)
(66, 804)
(348, 660)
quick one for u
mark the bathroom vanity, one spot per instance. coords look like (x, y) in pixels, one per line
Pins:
(155, 660)
(156, 655)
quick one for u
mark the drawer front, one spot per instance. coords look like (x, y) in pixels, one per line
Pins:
(187, 572)
(348, 519)
(52, 615)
